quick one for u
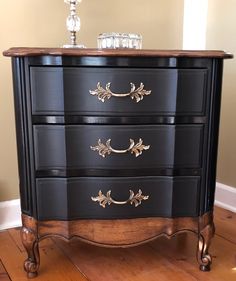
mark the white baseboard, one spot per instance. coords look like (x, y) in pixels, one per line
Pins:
(225, 197)
(10, 214)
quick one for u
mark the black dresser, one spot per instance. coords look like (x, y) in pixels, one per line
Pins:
(116, 147)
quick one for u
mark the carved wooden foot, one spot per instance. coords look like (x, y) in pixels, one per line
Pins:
(204, 241)
(30, 242)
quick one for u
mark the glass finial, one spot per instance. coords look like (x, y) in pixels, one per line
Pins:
(73, 24)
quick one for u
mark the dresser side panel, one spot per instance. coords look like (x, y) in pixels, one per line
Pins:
(213, 132)
(23, 125)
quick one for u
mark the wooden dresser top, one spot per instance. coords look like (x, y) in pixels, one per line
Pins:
(23, 51)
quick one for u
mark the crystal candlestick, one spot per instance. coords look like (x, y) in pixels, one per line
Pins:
(73, 24)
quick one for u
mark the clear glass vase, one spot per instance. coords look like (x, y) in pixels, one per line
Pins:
(115, 40)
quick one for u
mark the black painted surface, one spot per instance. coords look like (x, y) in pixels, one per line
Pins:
(57, 90)
(199, 109)
(117, 120)
(118, 61)
(71, 198)
(211, 152)
(60, 147)
(24, 136)
(109, 172)
(22, 149)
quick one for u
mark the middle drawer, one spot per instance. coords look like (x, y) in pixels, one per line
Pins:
(117, 147)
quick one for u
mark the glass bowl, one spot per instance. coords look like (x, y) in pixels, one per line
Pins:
(115, 40)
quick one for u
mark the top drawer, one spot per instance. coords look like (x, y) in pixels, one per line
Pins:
(75, 90)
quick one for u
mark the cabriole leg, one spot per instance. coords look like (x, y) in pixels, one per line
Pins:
(30, 242)
(204, 241)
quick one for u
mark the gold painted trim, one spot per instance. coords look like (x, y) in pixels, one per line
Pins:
(135, 199)
(135, 94)
(106, 149)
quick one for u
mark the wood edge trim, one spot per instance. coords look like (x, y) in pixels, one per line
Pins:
(26, 51)
(105, 245)
(91, 231)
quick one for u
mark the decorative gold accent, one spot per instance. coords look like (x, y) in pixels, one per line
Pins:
(135, 199)
(106, 149)
(135, 94)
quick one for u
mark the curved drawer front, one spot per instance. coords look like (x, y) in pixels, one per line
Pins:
(117, 147)
(74, 90)
(70, 198)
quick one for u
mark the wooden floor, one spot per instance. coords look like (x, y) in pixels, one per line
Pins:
(163, 259)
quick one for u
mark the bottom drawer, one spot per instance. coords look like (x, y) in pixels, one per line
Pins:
(71, 198)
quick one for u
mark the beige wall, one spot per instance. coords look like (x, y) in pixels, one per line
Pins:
(41, 23)
(159, 21)
(22, 23)
(221, 34)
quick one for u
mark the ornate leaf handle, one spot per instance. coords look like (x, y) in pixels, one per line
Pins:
(106, 149)
(135, 94)
(135, 199)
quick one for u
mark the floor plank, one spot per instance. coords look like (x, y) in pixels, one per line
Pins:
(54, 265)
(15, 235)
(225, 222)
(163, 259)
(132, 264)
(181, 251)
(3, 274)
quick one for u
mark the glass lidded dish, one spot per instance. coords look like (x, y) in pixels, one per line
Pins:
(115, 40)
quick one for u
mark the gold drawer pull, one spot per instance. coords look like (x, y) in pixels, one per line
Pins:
(135, 199)
(135, 94)
(106, 149)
